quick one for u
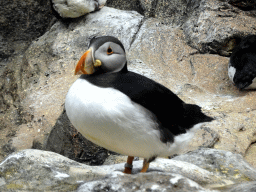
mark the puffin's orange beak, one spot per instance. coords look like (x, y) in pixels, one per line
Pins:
(86, 64)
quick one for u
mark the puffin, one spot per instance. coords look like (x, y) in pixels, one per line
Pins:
(242, 64)
(126, 112)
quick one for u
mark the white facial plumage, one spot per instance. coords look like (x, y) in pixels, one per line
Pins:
(112, 56)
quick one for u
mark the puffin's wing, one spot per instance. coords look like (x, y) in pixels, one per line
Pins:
(169, 109)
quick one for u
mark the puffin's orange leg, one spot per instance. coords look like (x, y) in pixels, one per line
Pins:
(145, 166)
(128, 165)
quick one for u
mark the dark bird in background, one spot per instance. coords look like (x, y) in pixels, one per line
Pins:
(125, 112)
(242, 64)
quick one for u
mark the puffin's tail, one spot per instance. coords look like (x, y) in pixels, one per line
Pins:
(193, 115)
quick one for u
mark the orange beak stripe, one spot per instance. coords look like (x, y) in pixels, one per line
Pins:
(80, 65)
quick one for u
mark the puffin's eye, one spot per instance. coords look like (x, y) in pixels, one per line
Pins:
(109, 51)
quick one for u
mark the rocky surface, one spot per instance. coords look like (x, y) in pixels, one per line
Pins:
(76, 8)
(21, 22)
(216, 26)
(37, 170)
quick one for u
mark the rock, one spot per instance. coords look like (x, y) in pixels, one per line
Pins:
(222, 163)
(250, 154)
(246, 187)
(217, 26)
(144, 182)
(21, 22)
(115, 159)
(243, 4)
(76, 8)
(37, 170)
(173, 12)
(132, 5)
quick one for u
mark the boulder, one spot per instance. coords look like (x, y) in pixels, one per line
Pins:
(224, 163)
(168, 12)
(217, 26)
(21, 22)
(37, 170)
(76, 8)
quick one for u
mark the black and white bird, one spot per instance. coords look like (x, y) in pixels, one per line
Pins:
(126, 112)
(242, 64)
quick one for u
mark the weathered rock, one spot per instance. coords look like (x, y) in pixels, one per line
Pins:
(222, 163)
(246, 187)
(132, 5)
(250, 154)
(76, 8)
(36, 170)
(173, 12)
(144, 182)
(243, 4)
(216, 26)
(21, 22)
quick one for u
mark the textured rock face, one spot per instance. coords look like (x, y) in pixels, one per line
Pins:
(168, 12)
(168, 182)
(76, 8)
(21, 22)
(215, 26)
(36, 170)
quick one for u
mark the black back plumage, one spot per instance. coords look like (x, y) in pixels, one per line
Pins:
(243, 59)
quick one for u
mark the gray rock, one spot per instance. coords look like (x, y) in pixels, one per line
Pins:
(173, 12)
(216, 26)
(244, 187)
(76, 8)
(224, 163)
(37, 170)
(21, 22)
(243, 4)
(155, 181)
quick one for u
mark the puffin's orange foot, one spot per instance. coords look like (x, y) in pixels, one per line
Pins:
(145, 166)
(127, 170)
(128, 165)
